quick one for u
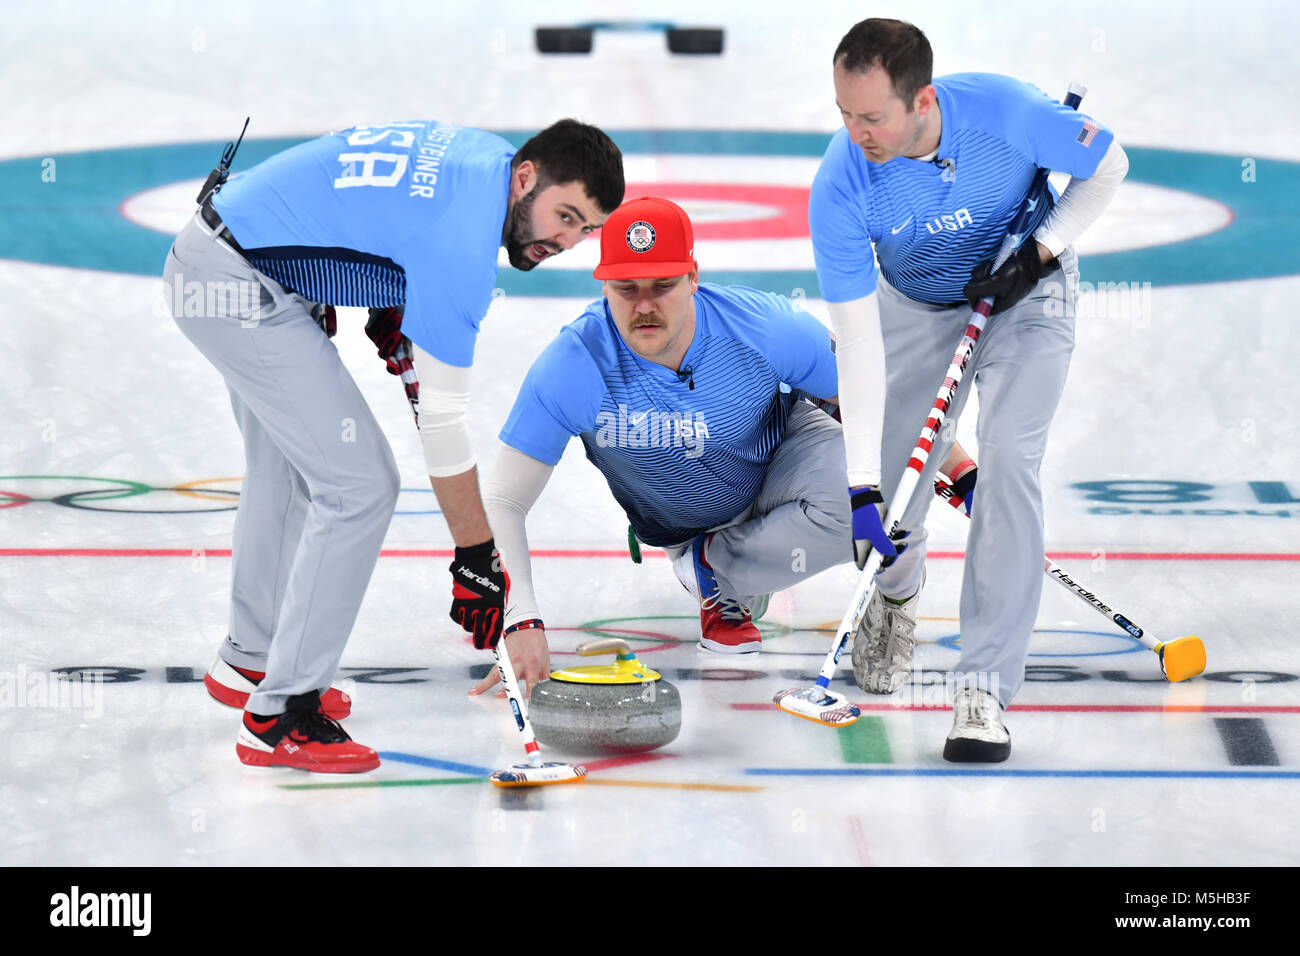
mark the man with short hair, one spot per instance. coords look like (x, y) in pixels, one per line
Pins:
(686, 396)
(924, 179)
(406, 214)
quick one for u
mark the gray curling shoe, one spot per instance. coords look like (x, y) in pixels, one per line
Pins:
(882, 648)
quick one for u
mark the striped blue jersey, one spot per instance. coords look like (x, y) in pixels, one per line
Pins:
(679, 459)
(931, 223)
(409, 213)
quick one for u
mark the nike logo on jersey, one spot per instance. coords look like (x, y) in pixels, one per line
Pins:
(897, 229)
(949, 223)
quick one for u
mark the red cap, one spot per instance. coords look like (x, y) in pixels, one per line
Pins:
(646, 238)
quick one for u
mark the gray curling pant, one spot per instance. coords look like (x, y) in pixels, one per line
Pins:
(799, 524)
(1019, 367)
(320, 483)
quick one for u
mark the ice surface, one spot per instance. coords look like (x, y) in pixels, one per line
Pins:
(1111, 765)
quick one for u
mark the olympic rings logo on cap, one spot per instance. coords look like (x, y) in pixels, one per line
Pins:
(640, 236)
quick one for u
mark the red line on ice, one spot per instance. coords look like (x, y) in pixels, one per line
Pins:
(621, 553)
(610, 763)
(859, 834)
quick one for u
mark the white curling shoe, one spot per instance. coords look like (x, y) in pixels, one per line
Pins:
(882, 648)
(684, 568)
(978, 734)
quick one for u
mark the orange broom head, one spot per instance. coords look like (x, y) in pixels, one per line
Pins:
(1182, 658)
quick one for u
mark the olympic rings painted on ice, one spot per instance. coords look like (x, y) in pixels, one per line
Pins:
(130, 497)
(187, 488)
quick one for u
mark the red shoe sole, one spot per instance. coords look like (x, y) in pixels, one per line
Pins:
(718, 647)
(350, 763)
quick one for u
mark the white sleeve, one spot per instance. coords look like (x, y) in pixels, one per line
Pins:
(1083, 202)
(444, 407)
(508, 495)
(860, 359)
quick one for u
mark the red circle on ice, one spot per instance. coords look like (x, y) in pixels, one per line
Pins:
(787, 208)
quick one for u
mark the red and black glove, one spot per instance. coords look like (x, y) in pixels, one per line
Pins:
(479, 590)
(384, 328)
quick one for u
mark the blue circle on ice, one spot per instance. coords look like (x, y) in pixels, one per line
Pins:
(950, 641)
(66, 209)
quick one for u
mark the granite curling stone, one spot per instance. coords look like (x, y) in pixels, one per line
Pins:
(621, 708)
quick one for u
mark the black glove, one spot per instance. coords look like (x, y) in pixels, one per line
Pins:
(1015, 280)
(899, 541)
(384, 328)
(479, 589)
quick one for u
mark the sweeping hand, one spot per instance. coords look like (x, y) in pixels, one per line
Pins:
(868, 533)
(1015, 280)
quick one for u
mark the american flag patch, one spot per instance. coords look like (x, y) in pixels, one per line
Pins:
(1087, 134)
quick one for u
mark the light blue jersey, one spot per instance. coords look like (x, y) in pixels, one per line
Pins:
(682, 451)
(931, 223)
(409, 213)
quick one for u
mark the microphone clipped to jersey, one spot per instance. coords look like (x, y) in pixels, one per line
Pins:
(686, 373)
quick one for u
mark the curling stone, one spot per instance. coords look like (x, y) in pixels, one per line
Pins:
(623, 708)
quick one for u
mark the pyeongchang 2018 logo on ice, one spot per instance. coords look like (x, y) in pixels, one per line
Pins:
(77, 909)
(1178, 498)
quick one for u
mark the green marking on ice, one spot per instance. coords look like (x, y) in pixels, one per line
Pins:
(865, 742)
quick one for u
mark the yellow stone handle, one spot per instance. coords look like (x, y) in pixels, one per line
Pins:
(607, 645)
